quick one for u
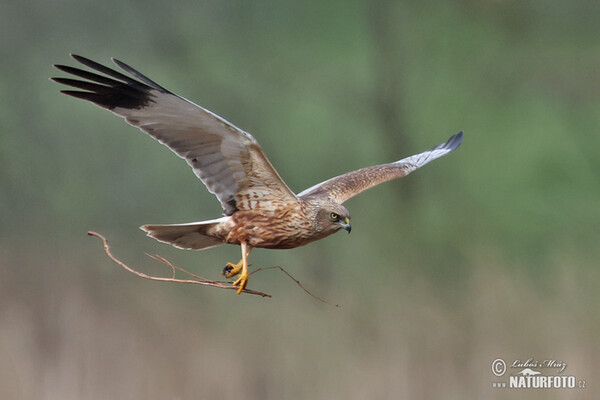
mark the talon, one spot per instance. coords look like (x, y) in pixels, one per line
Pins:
(242, 281)
(232, 269)
(239, 268)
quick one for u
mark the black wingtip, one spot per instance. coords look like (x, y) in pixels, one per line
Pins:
(139, 75)
(453, 142)
(105, 86)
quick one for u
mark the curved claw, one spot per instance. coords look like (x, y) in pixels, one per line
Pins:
(239, 268)
(232, 269)
(241, 281)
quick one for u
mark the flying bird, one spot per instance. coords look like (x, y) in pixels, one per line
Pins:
(259, 209)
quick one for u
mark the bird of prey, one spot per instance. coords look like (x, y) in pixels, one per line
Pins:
(259, 209)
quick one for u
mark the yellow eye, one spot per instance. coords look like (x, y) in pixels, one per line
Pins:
(334, 216)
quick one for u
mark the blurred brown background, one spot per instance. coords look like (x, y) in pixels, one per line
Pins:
(491, 252)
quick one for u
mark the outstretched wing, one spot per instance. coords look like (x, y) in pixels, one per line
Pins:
(228, 160)
(343, 187)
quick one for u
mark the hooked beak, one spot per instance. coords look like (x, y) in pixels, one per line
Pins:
(346, 225)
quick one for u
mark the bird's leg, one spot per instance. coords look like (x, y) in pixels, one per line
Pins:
(242, 267)
(232, 269)
(242, 280)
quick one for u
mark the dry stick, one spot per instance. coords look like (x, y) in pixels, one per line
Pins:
(163, 260)
(197, 279)
(297, 283)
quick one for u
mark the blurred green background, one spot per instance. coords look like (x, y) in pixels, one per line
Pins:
(491, 252)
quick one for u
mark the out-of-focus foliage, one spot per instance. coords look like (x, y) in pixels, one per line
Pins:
(489, 252)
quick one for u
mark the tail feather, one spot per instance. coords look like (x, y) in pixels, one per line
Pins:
(194, 235)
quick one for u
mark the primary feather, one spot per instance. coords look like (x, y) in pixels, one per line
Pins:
(348, 185)
(228, 160)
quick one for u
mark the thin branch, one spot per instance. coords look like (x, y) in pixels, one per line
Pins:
(198, 280)
(297, 283)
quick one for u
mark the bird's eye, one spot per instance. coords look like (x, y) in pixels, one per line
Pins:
(334, 216)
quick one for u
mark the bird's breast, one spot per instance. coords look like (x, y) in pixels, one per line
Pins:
(277, 229)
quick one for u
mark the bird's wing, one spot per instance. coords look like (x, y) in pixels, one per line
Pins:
(228, 160)
(343, 187)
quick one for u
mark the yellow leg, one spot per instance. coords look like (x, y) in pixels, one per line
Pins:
(239, 268)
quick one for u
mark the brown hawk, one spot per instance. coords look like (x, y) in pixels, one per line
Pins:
(259, 209)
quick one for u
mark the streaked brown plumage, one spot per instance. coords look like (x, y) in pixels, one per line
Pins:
(259, 210)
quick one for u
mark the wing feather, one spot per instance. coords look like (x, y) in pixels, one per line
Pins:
(227, 160)
(348, 185)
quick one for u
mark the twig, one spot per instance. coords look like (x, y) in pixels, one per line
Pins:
(196, 279)
(297, 283)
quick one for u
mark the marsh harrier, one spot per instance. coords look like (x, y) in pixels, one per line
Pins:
(259, 209)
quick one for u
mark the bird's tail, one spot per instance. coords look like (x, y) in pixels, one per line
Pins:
(195, 235)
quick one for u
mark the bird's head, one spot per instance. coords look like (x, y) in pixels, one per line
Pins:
(330, 217)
